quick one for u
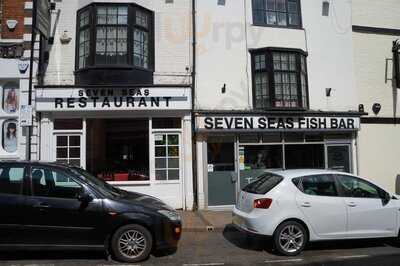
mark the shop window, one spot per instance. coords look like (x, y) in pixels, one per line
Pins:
(11, 97)
(304, 156)
(279, 79)
(166, 123)
(167, 158)
(68, 149)
(123, 36)
(278, 13)
(10, 136)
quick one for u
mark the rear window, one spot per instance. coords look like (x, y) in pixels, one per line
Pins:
(263, 184)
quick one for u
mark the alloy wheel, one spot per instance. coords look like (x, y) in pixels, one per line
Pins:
(291, 238)
(132, 244)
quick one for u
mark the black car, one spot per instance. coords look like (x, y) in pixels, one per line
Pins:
(50, 205)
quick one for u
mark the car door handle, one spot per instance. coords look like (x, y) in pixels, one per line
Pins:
(351, 204)
(306, 205)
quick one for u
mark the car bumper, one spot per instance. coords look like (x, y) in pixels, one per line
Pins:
(249, 223)
(170, 235)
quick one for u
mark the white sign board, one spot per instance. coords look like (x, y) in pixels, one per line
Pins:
(275, 123)
(25, 115)
(112, 99)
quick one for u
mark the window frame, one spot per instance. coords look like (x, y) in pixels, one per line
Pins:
(288, 26)
(270, 72)
(131, 25)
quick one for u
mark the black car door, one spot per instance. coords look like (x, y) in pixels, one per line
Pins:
(12, 176)
(56, 212)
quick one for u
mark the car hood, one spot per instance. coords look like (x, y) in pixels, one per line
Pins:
(142, 199)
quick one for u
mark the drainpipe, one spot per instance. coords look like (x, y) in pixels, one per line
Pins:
(194, 146)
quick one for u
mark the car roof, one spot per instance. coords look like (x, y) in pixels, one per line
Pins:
(293, 173)
(42, 163)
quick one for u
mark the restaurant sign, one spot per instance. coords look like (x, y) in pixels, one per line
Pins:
(108, 99)
(275, 123)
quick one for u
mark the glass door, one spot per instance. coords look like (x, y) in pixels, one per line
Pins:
(339, 157)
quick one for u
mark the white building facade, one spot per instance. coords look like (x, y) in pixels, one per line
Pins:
(275, 90)
(376, 28)
(116, 98)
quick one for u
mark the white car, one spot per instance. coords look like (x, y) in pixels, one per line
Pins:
(297, 206)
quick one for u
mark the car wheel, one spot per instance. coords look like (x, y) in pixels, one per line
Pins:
(131, 243)
(290, 238)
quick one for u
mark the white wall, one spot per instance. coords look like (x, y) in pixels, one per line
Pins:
(223, 56)
(372, 13)
(172, 41)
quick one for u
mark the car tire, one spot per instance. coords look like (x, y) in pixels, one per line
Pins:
(131, 243)
(290, 238)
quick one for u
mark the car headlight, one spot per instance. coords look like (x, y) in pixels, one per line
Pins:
(172, 215)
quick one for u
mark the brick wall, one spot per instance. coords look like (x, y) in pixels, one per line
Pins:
(13, 9)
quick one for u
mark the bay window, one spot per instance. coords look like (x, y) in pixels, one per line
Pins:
(115, 43)
(279, 79)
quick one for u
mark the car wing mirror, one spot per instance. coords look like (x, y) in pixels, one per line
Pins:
(386, 198)
(84, 197)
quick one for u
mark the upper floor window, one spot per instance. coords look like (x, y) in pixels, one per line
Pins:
(280, 13)
(279, 79)
(115, 35)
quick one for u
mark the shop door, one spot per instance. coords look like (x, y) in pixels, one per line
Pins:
(68, 149)
(339, 157)
(222, 177)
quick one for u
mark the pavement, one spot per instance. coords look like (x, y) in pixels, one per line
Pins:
(202, 221)
(209, 239)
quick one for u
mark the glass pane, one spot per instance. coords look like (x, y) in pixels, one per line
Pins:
(292, 6)
(339, 158)
(271, 18)
(62, 141)
(75, 162)
(173, 174)
(141, 19)
(173, 151)
(74, 153)
(164, 123)
(161, 163)
(101, 15)
(62, 124)
(62, 152)
(161, 174)
(271, 5)
(10, 134)
(294, 19)
(160, 139)
(173, 163)
(281, 5)
(305, 156)
(74, 141)
(173, 139)
(161, 152)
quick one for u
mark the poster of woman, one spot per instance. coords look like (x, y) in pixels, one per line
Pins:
(10, 136)
(10, 98)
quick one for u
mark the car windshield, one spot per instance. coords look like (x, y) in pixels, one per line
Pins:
(98, 183)
(263, 184)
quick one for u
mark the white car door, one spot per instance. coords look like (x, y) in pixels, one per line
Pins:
(318, 200)
(369, 215)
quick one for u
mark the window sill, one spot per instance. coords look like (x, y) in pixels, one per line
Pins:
(112, 67)
(129, 183)
(277, 26)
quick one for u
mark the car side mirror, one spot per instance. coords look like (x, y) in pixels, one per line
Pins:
(386, 198)
(84, 197)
